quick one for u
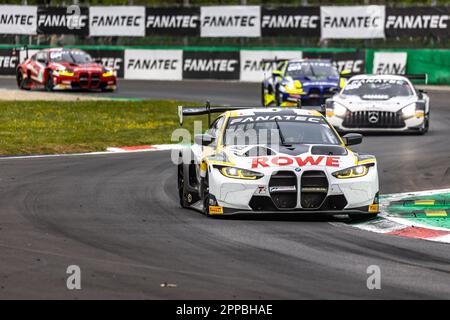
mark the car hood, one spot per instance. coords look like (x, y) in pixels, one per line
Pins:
(87, 67)
(318, 82)
(374, 103)
(294, 157)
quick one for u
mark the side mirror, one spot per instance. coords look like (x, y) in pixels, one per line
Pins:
(334, 90)
(43, 61)
(203, 139)
(345, 72)
(276, 73)
(351, 139)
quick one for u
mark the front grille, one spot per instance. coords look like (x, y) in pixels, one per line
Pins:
(84, 79)
(314, 189)
(373, 119)
(95, 79)
(283, 189)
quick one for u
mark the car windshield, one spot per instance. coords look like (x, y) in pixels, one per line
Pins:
(311, 69)
(378, 88)
(283, 130)
(70, 56)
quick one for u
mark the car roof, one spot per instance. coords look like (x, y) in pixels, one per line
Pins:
(275, 111)
(311, 60)
(61, 49)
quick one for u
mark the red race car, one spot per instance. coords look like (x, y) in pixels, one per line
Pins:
(61, 68)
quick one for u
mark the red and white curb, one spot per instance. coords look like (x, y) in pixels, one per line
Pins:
(396, 226)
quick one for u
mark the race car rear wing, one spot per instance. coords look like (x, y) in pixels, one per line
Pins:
(207, 109)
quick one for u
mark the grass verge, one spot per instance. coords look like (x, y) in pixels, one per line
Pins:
(48, 127)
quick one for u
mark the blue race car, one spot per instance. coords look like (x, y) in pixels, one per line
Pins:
(306, 82)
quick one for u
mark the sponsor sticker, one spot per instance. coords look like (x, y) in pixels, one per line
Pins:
(215, 210)
(373, 208)
(300, 161)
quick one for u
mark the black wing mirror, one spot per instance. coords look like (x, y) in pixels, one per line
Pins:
(351, 139)
(204, 139)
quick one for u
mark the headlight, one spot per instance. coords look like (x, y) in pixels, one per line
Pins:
(353, 172)
(339, 110)
(236, 173)
(109, 73)
(409, 111)
(65, 72)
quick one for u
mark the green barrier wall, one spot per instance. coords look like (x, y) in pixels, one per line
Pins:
(436, 63)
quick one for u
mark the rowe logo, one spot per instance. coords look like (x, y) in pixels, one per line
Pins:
(280, 161)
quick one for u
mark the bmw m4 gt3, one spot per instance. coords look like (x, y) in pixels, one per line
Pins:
(379, 103)
(60, 68)
(275, 160)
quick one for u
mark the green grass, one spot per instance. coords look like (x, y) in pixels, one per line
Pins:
(47, 127)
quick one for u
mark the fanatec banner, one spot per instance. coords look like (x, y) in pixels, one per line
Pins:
(288, 21)
(153, 64)
(59, 20)
(327, 22)
(211, 65)
(8, 61)
(173, 21)
(352, 22)
(117, 21)
(230, 21)
(417, 22)
(18, 19)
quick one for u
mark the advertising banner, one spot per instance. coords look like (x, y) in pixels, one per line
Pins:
(153, 64)
(18, 19)
(110, 58)
(8, 61)
(61, 20)
(417, 22)
(230, 21)
(351, 61)
(173, 21)
(352, 22)
(252, 68)
(290, 21)
(389, 62)
(211, 65)
(117, 21)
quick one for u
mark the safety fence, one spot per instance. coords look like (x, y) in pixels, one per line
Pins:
(327, 22)
(179, 63)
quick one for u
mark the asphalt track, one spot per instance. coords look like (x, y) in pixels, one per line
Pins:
(117, 217)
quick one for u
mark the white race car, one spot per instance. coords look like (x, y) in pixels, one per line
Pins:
(380, 103)
(275, 160)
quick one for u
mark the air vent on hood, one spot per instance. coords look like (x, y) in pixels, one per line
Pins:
(259, 151)
(328, 150)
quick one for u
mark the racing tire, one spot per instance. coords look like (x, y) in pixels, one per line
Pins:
(426, 125)
(205, 195)
(277, 97)
(21, 82)
(182, 195)
(263, 95)
(49, 85)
